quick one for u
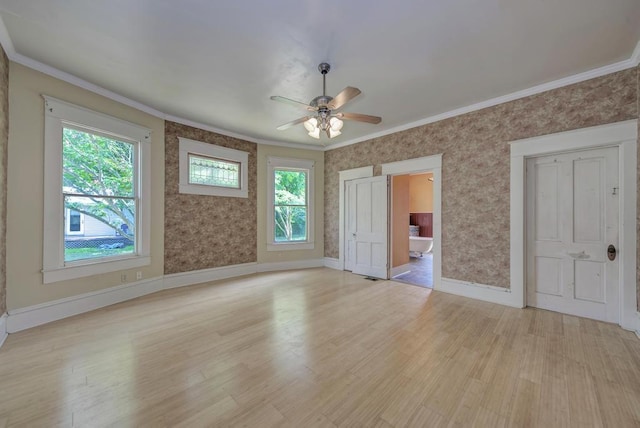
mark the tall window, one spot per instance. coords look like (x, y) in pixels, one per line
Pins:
(97, 170)
(98, 181)
(290, 213)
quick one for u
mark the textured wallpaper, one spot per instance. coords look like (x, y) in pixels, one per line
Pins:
(4, 142)
(475, 166)
(203, 232)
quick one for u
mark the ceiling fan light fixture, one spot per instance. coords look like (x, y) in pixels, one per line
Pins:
(315, 133)
(326, 118)
(336, 124)
(311, 125)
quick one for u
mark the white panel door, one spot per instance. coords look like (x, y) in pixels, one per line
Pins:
(367, 229)
(573, 216)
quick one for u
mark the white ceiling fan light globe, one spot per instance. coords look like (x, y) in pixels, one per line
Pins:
(334, 133)
(336, 124)
(315, 133)
(311, 125)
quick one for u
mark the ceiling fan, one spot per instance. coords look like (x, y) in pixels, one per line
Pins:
(324, 116)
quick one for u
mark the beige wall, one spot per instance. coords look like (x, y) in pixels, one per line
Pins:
(25, 190)
(421, 193)
(4, 142)
(475, 166)
(264, 256)
(201, 231)
(400, 185)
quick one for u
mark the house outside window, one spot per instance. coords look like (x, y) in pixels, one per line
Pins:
(290, 212)
(97, 170)
(74, 223)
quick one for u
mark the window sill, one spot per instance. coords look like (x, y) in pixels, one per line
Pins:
(195, 189)
(80, 271)
(290, 246)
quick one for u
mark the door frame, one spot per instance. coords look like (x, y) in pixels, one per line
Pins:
(427, 163)
(431, 164)
(622, 135)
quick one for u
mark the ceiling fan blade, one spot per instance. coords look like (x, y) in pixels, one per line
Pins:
(292, 123)
(359, 117)
(293, 103)
(343, 97)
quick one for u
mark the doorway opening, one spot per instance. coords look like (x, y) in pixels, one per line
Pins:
(347, 257)
(412, 228)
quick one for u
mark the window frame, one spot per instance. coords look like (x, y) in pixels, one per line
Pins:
(191, 147)
(59, 114)
(277, 163)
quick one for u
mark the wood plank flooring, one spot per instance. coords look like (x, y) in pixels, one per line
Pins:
(319, 348)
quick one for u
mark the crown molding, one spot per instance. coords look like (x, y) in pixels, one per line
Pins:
(239, 136)
(76, 81)
(635, 56)
(7, 44)
(5, 40)
(633, 61)
(81, 83)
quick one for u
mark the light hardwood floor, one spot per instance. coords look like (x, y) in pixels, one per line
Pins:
(319, 348)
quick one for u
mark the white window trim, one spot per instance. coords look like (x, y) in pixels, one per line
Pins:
(58, 114)
(188, 146)
(301, 164)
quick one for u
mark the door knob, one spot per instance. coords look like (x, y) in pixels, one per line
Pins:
(611, 252)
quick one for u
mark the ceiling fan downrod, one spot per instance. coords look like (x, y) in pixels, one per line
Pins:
(324, 68)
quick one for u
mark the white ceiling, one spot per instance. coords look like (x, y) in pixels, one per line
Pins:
(218, 62)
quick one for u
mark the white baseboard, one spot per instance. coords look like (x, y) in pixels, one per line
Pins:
(299, 264)
(183, 279)
(399, 270)
(332, 263)
(32, 316)
(3, 329)
(487, 293)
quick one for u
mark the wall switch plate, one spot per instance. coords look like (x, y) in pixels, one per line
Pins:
(139, 274)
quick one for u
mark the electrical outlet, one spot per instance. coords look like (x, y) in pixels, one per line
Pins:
(139, 274)
(123, 277)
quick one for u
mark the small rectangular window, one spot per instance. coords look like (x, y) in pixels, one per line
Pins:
(210, 171)
(207, 169)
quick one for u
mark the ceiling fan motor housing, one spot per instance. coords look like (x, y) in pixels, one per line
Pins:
(320, 101)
